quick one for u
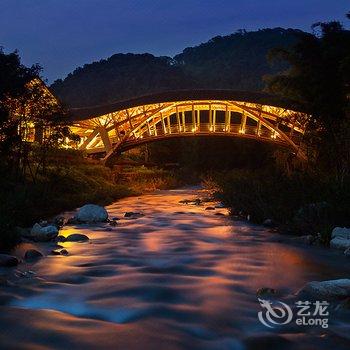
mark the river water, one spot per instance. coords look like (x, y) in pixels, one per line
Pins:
(179, 277)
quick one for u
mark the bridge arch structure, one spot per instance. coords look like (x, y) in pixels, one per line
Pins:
(114, 128)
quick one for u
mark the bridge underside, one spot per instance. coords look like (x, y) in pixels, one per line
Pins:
(114, 132)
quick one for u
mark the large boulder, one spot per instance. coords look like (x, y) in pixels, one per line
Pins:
(340, 243)
(8, 260)
(327, 290)
(43, 234)
(340, 238)
(341, 232)
(91, 213)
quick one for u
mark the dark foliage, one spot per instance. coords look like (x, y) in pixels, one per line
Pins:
(207, 154)
(315, 199)
(120, 77)
(13, 77)
(237, 61)
(319, 79)
(306, 204)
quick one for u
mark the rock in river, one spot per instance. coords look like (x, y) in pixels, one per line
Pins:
(77, 237)
(341, 232)
(8, 260)
(32, 254)
(92, 213)
(60, 252)
(340, 238)
(43, 234)
(132, 214)
(327, 290)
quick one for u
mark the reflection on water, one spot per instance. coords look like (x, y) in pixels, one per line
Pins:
(177, 277)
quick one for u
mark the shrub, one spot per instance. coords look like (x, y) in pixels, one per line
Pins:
(306, 203)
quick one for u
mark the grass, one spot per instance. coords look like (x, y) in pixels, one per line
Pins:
(143, 179)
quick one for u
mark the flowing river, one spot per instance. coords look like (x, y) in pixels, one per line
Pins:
(178, 277)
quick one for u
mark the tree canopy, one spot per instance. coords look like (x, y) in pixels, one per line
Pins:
(319, 80)
(237, 61)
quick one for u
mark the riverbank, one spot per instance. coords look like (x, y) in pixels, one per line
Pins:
(68, 181)
(180, 274)
(299, 203)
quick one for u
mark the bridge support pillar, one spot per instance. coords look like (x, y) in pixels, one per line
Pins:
(163, 123)
(214, 120)
(198, 119)
(258, 128)
(178, 119)
(168, 124)
(105, 139)
(155, 128)
(210, 118)
(227, 120)
(243, 123)
(88, 140)
(193, 119)
(183, 121)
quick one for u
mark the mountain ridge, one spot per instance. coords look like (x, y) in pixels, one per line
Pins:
(237, 62)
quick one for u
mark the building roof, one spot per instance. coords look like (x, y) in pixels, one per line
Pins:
(76, 114)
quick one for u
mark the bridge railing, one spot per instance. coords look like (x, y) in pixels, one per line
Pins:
(209, 129)
(205, 129)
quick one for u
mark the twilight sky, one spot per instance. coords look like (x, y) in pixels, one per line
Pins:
(63, 34)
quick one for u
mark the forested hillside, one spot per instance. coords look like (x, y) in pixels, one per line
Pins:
(119, 77)
(238, 61)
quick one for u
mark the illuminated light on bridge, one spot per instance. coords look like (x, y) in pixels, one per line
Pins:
(114, 128)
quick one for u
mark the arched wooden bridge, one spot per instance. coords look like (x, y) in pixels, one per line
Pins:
(113, 128)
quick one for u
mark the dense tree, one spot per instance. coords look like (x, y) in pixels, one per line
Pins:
(237, 61)
(121, 76)
(319, 80)
(28, 112)
(13, 77)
